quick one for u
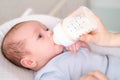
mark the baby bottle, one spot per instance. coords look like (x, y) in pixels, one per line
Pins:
(71, 28)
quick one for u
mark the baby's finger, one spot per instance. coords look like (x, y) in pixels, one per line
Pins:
(76, 47)
(67, 48)
(70, 48)
(73, 48)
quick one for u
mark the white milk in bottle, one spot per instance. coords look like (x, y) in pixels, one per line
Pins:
(71, 28)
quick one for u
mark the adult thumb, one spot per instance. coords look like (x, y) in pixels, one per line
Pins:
(87, 38)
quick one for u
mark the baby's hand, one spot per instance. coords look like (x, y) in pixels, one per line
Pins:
(76, 46)
(94, 75)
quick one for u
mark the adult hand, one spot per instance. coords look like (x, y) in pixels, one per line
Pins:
(100, 36)
(94, 75)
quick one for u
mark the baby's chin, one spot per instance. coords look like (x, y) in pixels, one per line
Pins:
(60, 49)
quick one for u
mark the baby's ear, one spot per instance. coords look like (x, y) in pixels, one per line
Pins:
(28, 62)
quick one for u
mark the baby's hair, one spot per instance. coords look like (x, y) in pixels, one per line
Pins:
(14, 50)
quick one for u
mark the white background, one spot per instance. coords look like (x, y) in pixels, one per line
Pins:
(107, 10)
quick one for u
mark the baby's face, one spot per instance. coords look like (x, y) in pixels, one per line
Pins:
(38, 41)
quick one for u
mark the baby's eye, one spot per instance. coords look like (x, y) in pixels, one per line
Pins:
(47, 29)
(39, 36)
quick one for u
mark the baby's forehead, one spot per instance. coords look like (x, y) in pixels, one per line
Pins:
(31, 25)
(23, 28)
(28, 24)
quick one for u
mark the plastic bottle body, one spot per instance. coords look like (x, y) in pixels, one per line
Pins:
(71, 28)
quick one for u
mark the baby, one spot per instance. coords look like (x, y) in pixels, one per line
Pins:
(30, 38)
(29, 44)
